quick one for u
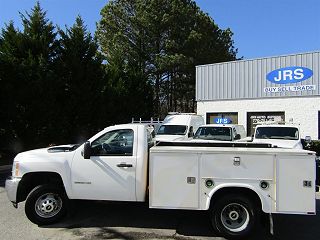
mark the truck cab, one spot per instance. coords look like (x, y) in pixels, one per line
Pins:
(116, 168)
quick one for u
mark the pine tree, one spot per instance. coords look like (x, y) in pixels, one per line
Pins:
(10, 113)
(81, 71)
(29, 80)
(165, 40)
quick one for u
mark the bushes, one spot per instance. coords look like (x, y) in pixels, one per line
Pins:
(313, 146)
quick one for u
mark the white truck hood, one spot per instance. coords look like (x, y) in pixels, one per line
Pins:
(56, 160)
(169, 138)
(296, 144)
(51, 159)
(208, 141)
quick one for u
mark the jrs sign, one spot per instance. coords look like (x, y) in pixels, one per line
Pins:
(289, 75)
(222, 120)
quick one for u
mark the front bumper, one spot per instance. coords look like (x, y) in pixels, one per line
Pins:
(11, 188)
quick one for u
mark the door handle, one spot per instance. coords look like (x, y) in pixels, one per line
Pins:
(122, 165)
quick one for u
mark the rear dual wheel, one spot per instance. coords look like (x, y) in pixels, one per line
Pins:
(234, 216)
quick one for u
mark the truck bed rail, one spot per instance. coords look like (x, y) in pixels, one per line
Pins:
(218, 144)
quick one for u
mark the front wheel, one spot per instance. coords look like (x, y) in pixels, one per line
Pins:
(234, 216)
(46, 204)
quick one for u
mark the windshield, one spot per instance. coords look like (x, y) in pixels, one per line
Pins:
(288, 133)
(213, 133)
(172, 130)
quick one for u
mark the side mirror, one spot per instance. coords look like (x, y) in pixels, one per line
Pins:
(237, 137)
(307, 139)
(87, 150)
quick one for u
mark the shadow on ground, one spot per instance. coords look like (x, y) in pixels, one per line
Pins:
(187, 224)
(87, 214)
(108, 216)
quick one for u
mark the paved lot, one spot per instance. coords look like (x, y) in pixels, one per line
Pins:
(98, 220)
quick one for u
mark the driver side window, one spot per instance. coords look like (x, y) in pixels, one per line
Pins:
(114, 143)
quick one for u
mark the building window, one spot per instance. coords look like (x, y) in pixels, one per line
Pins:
(222, 118)
(256, 118)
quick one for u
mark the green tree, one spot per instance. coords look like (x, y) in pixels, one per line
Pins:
(165, 40)
(39, 81)
(128, 94)
(82, 74)
(10, 44)
(28, 79)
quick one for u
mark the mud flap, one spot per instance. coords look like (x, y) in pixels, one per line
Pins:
(271, 224)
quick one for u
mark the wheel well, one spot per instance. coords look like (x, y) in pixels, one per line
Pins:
(30, 180)
(252, 195)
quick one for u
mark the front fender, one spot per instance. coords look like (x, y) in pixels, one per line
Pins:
(58, 165)
(63, 174)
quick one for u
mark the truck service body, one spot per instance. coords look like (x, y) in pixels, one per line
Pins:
(236, 182)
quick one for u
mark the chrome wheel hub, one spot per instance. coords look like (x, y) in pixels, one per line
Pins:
(235, 217)
(48, 205)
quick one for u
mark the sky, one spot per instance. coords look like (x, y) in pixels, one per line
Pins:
(261, 28)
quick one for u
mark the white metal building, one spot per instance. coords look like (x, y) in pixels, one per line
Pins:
(248, 92)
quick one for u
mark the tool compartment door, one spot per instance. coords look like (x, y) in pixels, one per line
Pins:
(295, 184)
(174, 180)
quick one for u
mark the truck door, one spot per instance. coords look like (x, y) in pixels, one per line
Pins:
(109, 174)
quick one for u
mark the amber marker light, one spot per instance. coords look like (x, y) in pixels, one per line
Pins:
(16, 173)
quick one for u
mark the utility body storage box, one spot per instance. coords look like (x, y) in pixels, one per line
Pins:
(179, 176)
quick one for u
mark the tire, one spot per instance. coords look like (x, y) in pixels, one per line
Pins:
(234, 216)
(46, 204)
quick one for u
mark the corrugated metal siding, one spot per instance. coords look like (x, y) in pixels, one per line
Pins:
(247, 79)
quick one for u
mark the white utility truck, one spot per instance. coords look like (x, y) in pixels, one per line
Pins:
(284, 136)
(219, 132)
(179, 126)
(236, 182)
